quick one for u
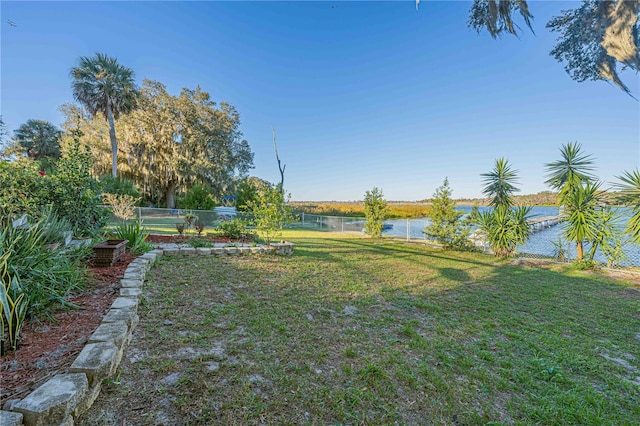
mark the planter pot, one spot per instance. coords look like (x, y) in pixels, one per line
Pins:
(109, 252)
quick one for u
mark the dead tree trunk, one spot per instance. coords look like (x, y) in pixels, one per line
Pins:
(280, 166)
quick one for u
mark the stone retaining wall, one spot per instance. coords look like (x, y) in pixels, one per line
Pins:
(65, 396)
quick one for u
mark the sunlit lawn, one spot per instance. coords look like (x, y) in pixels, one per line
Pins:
(354, 331)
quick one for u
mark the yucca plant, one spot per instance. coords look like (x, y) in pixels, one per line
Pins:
(44, 276)
(505, 226)
(135, 234)
(13, 304)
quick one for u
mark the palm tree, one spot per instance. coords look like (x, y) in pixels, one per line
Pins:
(500, 184)
(630, 194)
(102, 85)
(572, 177)
(573, 169)
(582, 220)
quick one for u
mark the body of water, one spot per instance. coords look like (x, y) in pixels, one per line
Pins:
(540, 243)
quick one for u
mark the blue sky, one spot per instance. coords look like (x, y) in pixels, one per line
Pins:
(361, 94)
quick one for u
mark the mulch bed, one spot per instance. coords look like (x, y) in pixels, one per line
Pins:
(184, 238)
(48, 347)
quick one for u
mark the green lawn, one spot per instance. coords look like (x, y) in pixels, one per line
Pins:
(355, 331)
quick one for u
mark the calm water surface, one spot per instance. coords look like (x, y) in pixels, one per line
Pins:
(540, 243)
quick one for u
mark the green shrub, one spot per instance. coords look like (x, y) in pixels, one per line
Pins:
(136, 236)
(199, 242)
(70, 191)
(233, 229)
(34, 277)
(22, 190)
(75, 194)
(198, 197)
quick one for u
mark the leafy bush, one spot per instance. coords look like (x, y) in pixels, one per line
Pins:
(70, 191)
(247, 192)
(22, 190)
(198, 197)
(75, 194)
(233, 229)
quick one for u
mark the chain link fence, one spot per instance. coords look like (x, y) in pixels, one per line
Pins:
(544, 243)
(167, 221)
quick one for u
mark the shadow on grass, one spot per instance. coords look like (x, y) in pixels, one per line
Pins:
(426, 334)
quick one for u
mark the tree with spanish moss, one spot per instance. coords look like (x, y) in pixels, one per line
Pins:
(596, 40)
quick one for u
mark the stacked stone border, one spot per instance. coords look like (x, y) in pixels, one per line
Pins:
(66, 396)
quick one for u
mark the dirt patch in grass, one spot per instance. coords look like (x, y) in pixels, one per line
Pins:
(626, 276)
(49, 347)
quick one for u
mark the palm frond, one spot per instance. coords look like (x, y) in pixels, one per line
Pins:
(573, 168)
(500, 183)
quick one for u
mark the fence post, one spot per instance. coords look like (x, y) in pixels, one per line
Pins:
(321, 223)
(303, 219)
(341, 224)
(425, 234)
(407, 230)
(139, 215)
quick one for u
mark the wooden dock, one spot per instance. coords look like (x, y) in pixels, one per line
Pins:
(479, 238)
(538, 224)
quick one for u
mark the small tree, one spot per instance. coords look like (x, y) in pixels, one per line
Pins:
(74, 193)
(447, 227)
(271, 213)
(375, 209)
